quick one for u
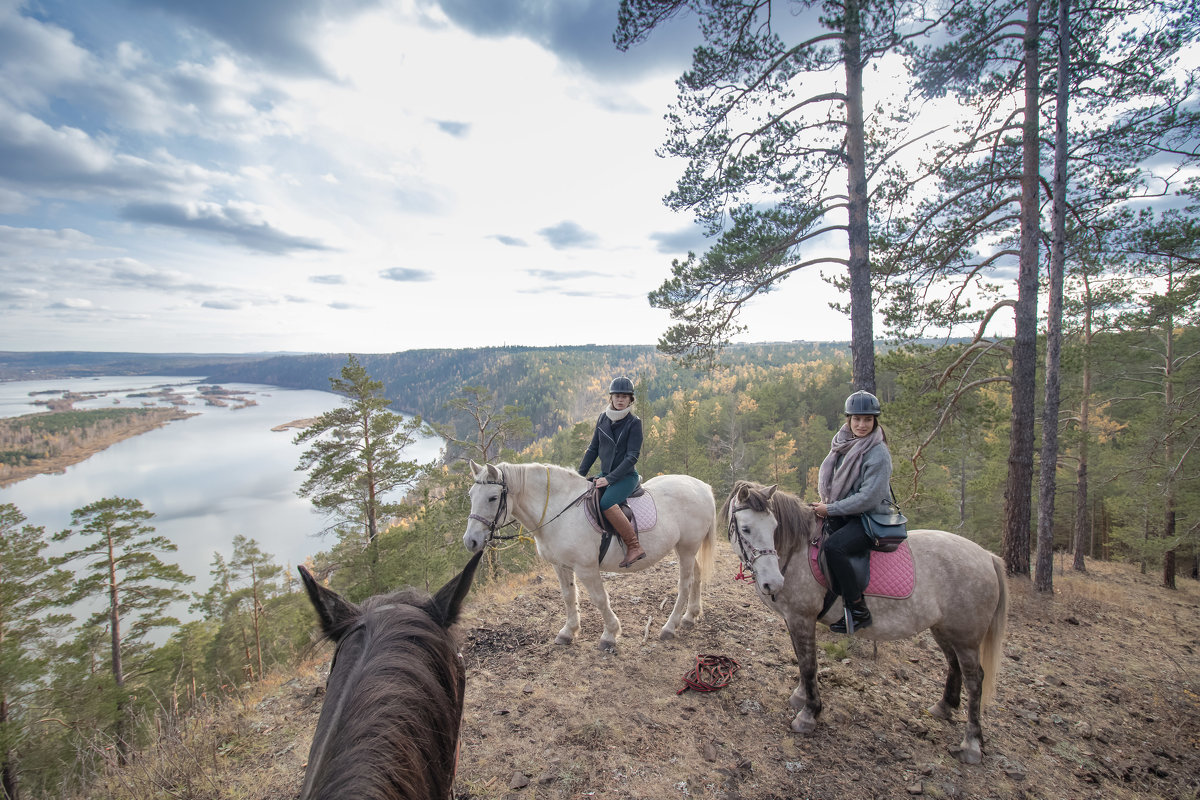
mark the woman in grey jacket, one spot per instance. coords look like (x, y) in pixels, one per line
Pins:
(855, 478)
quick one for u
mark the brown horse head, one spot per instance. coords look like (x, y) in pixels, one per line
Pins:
(393, 704)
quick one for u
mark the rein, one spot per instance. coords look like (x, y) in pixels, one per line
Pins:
(494, 524)
(710, 673)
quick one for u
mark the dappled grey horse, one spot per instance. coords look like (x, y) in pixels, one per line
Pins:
(960, 595)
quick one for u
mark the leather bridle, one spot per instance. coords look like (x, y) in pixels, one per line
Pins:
(745, 548)
(494, 524)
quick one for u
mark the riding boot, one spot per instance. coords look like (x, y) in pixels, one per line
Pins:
(860, 617)
(633, 549)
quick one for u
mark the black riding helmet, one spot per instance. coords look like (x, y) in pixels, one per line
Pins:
(862, 403)
(621, 385)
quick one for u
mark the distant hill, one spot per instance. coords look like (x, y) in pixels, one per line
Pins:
(41, 365)
(554, 386)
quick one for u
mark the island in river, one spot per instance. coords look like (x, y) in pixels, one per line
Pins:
(43, 444)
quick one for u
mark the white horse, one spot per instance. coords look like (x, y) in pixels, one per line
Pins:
(960, 595)
(541, 497)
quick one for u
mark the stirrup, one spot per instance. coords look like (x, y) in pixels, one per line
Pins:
(852, 619)
(630, 562)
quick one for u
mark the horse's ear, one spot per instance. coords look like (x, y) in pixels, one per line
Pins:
(770, 490)
(332, 609)
(475, 468)
(740, 491)
(447, 603)
(493, 473)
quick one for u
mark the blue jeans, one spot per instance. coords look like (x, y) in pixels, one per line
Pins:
(616, 492)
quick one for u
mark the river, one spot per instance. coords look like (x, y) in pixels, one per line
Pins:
(206, 478)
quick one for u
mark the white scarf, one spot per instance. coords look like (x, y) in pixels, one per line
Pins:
(616, 416)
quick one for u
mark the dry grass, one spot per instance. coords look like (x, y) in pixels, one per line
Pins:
(1098, 698)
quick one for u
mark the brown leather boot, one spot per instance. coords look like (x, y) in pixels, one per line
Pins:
(633, 549)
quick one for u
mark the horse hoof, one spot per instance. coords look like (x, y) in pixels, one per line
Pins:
(970, 754)
(666, 635)
(687, 624)
(940, 710)
(803, 725)
(560, 639)
(608, 647)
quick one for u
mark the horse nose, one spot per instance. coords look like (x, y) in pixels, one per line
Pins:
(472, 542)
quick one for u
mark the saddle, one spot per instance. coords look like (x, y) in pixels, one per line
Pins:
(884, 574)
(639, 509)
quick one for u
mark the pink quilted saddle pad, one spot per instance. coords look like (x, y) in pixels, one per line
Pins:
(645, 513)
(892, 574)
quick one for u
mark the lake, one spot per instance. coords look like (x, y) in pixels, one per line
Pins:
(207, 478)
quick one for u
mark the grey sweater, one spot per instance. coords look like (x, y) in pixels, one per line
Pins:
(873, 485)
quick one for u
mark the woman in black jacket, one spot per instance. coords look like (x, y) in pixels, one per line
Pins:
(617, 441)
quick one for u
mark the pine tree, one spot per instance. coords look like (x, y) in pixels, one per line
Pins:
(355, 458)
(776, 171)
(122, 570)
(29, 588)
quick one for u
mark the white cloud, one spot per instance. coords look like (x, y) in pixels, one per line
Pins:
(236, 178)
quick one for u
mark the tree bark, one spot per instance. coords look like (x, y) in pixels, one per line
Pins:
(114, 616)
(1081, 471)
(8, 771)
(1048, 476)
(1169, 446)
(862, 333)
(1017, 500)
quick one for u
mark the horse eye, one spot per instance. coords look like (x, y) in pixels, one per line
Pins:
(493, 498)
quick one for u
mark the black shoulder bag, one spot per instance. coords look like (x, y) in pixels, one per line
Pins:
(886, 529)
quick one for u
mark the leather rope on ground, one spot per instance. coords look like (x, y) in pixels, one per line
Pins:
(710, 673)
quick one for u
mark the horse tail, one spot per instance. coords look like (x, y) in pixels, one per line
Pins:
(706, 556)
(992, 648)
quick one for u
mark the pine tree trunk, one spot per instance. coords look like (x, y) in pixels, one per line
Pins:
(1017, 500)
(1169, 446)
(257, 608)
(1048, 477)
(8, 772)
(114, 620)
(1081, 471)
(862, 333)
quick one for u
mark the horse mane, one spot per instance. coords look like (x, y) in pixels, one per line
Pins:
(793, 517)
(396, 735)
(515, 474)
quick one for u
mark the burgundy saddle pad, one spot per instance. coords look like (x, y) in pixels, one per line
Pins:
(892, 574)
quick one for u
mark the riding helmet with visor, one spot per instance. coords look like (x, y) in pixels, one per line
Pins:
(862, 403)
(621, 385)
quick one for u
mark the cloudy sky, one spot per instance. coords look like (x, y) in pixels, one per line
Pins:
(341, 175)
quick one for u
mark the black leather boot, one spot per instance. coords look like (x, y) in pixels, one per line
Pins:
(860, 617)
